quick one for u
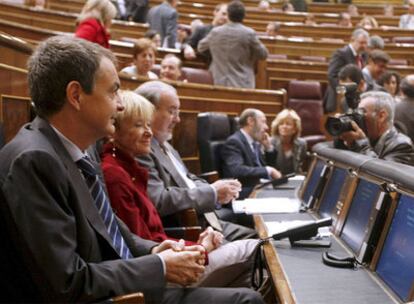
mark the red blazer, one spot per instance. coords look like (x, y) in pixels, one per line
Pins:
(126, 182)
(93, 30)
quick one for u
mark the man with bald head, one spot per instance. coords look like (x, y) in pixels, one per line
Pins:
(407, 20)
(170, 68)
(354, 53)
(242, 153)
(379, 139)
(404, 110)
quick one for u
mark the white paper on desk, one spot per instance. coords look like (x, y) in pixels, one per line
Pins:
(277, 227)
(297, 178)
(266, 205)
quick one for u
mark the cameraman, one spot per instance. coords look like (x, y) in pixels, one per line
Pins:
(381, 139)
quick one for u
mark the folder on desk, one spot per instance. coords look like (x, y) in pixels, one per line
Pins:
(266, 205)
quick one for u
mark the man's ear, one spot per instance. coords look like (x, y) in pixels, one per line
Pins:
(382, 115)
(250, 120)
(73, 94)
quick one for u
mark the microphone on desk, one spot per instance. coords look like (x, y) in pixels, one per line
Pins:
(275, 182)
(303, 232)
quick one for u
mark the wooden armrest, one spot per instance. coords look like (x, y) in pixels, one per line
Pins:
(187, 217)
(132, 298)
(210, 177)
(186, 233)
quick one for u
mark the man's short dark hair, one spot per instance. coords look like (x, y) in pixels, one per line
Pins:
(379, 56)
(236, 11)
(352, 72)
(58, 61)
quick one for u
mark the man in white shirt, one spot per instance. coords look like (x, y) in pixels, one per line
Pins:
(407, 20)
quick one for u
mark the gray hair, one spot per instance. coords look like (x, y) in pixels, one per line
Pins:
(376, 42)
(359, 32)
(244, 116)
(384, 101)
(56, 62)
(152, 90)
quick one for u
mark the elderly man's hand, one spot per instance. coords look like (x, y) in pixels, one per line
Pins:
(351, 136)
(227, 190)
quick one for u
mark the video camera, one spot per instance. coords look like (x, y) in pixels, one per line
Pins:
(340, 124)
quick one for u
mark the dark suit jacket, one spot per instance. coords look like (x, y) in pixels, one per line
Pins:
(404, 116)
(393, 146)
(340, 58)
(163, 19)
(58, 236)
(137, 9)
(198, 35)
(239, 161)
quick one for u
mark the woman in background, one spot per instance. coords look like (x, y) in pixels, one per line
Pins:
(390, 81)
(94, 21)
(291, 149)
(144, 59)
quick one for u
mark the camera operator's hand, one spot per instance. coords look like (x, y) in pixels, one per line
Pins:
(351, 136)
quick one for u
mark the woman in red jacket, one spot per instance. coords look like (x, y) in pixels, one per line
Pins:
(95, 20)
(126, 182)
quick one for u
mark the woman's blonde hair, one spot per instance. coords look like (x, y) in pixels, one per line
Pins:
(135, 107)
(103, 10)
(282, 116)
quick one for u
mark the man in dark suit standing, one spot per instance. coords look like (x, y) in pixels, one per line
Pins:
(354, 52)
(242, 152)
(404, 110)
(163, 19)
(60, 231)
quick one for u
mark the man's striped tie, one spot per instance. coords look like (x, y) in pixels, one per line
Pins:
(102, 203)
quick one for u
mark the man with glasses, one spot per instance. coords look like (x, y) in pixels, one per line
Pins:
(171, 187)
(380, 139)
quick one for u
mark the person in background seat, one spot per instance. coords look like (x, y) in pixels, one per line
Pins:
(291, 149)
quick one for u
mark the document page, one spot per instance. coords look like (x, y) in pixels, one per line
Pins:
(266, 205)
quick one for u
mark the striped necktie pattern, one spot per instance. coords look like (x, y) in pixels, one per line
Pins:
(102, 203)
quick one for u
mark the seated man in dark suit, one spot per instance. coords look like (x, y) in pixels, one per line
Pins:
(379, 138)
(242, 152)
(62, 235)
